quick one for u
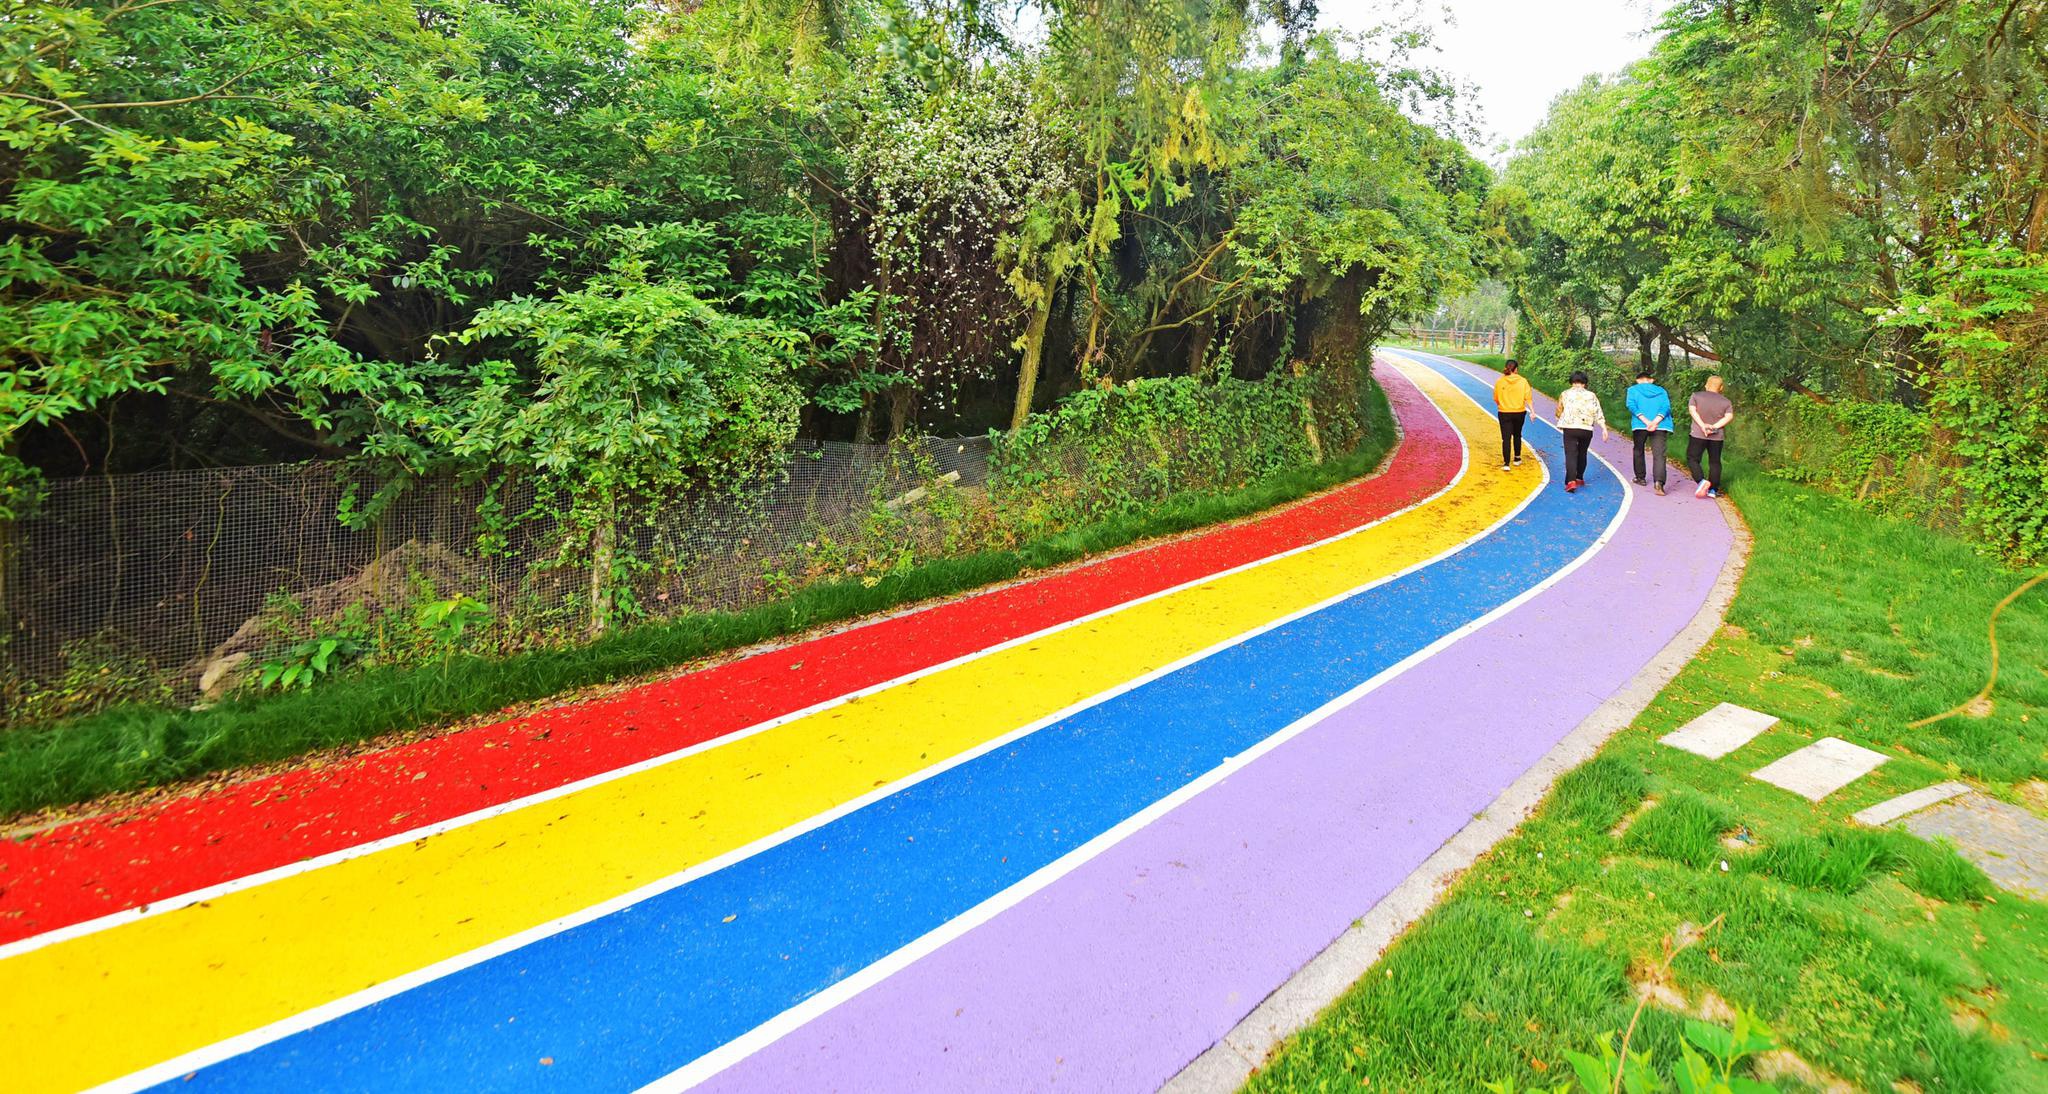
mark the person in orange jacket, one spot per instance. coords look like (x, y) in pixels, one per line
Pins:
(1511, 397)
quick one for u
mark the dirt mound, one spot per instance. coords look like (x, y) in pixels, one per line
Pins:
(390, 584)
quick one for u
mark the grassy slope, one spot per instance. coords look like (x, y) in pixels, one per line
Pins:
(1878, 958)
(137, 747)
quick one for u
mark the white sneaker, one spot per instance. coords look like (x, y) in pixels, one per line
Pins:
(1503, 467)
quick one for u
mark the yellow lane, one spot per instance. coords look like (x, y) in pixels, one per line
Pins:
(100, 1006)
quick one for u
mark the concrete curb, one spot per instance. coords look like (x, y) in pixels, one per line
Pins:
(1227, 1064)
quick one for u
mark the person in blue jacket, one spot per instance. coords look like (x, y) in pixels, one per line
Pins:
(1649, 419)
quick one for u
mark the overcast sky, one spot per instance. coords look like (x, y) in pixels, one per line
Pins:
(1519, 54)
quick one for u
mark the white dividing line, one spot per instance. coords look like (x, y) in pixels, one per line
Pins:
(767, 1033)
(414, 835)
(245, 1042)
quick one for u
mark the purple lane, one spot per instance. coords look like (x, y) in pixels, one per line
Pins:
(1116, 975)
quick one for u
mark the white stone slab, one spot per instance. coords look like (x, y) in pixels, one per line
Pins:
(1720, 731)
(1885, 812)
(1821, 768)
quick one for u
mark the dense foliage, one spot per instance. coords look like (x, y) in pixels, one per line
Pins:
(655, 242)
(621, 250)
(1843, 201)
(1121, 449)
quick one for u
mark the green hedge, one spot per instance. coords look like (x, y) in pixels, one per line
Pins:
(1111, 450)
(1881, 455)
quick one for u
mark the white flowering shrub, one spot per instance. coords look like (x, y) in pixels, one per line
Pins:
(935, 182)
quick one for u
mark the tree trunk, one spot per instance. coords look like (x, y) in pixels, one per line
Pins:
(1308, 416)
(603, 543)
(902, 404)
(1663, 357)
(1198, 347)
(864, 426)
(1645, 340)
(1027, 368)
(1339, 337)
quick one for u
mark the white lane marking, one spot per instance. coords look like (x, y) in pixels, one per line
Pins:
(253, 1039)
(774, 1029)
(278, 873)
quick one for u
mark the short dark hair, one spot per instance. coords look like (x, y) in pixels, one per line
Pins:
(1512, 367)
(1579, 377)
(1645, 374)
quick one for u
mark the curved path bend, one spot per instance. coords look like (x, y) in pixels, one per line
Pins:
(1069, 832)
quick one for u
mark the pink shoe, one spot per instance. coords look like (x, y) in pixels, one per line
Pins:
(1700, 491)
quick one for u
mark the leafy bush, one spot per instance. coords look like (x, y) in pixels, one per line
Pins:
(1881, 455)
(1111, 450)
(307, 661)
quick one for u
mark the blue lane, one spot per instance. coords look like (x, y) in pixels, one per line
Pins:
(625, 999)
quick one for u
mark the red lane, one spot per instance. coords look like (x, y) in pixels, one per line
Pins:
(94, 867)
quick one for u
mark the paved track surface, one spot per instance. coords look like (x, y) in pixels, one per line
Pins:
(1063, 833)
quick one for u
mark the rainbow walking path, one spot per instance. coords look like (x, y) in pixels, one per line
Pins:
(1064, 833)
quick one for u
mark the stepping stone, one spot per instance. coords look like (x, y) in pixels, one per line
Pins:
(1720, 731)
(1821, 768)
(2005, 841)
(1885, 812)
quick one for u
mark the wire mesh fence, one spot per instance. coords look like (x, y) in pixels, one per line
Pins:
(175, 586)
(177, 570)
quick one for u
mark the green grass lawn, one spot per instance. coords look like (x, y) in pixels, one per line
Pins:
(1879, 960)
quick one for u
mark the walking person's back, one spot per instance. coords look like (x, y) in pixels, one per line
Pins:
(1711, 411)
(1649, 420)
(1511, 398)
(1578, 412)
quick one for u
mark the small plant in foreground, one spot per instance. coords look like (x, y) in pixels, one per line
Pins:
(446, 621)
(1616, 1070)
(1707, 1069)
(307, 661)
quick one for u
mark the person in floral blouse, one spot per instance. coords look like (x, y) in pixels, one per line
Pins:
(1578, 411)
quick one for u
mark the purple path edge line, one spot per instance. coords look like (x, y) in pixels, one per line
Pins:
(1119, 974)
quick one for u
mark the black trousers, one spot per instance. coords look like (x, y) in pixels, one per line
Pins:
(1511, 422)
(1577, 442)
(1655, 439)
(1696, 445)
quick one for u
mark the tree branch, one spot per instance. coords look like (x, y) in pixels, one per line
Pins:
(1998, 32)
(267, 420)
(1885, 46)
(217, 89)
